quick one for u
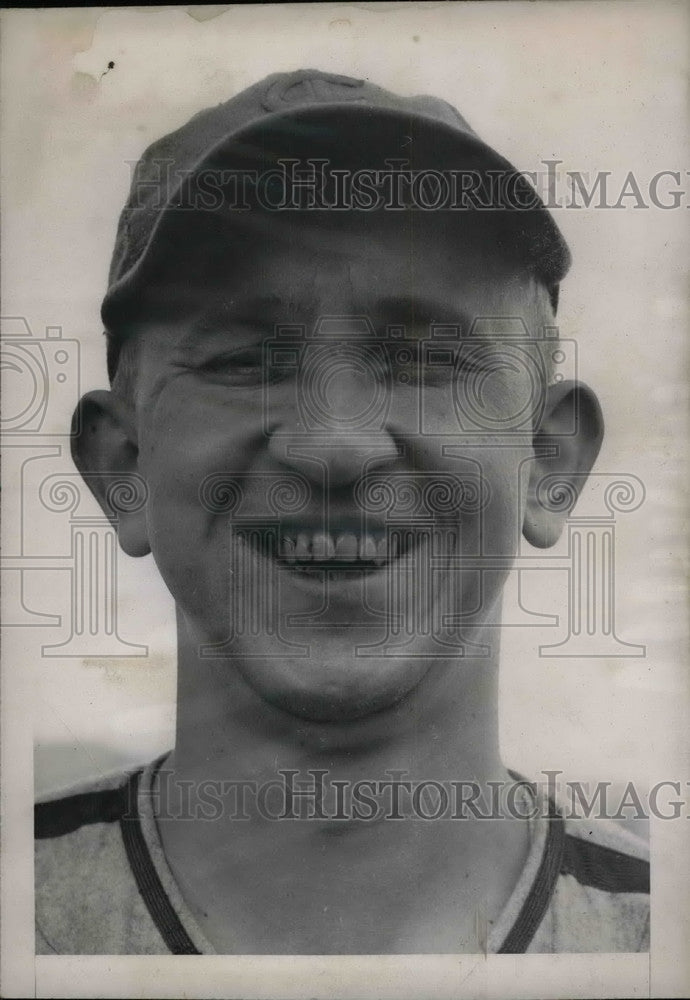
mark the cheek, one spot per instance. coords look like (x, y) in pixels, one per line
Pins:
(189, 441)
(196, 430)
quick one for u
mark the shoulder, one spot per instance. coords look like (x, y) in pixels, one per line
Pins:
(101, 801)
(603, 855)
(600, 901)
(87, 900)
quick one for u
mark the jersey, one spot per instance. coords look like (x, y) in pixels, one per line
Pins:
(103, 886)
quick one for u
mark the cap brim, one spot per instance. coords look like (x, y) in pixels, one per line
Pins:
(352, 136)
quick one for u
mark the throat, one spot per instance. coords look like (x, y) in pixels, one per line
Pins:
(388, 888)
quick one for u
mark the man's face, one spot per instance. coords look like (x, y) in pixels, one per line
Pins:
(334, 506)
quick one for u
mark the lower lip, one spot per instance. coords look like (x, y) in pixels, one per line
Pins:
(337, 577)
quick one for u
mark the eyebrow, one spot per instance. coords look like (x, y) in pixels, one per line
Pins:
(252, 314)
(253, 309)
(416, 310)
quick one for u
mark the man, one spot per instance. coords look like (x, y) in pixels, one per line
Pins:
(330, 325)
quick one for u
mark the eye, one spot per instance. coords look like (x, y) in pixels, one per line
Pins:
(244, 366)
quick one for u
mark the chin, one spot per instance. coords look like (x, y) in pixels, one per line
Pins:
(317, 690)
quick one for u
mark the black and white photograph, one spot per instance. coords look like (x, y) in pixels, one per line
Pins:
(344, 435)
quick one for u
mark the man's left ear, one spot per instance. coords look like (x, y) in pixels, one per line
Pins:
(566, 445)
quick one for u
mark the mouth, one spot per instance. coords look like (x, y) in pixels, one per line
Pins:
(308, 551)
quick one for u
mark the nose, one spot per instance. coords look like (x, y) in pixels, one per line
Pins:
(337, 428)
(339, 457)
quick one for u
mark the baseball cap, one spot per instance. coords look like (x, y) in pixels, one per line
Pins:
(306, 113)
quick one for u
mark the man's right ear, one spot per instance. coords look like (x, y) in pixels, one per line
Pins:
(105, 450)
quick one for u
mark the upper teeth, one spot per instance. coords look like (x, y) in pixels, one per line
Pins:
(343, 547)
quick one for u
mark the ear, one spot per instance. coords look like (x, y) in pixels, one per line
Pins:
(566, 445)
(104, 449)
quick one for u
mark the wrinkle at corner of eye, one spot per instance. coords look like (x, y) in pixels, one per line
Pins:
(159, 384)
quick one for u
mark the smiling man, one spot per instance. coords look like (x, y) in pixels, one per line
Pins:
(330, 326)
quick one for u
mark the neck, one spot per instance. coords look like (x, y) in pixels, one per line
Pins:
(231, 873)
(445, 729)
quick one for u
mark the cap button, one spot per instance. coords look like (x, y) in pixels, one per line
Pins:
(311, 87)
